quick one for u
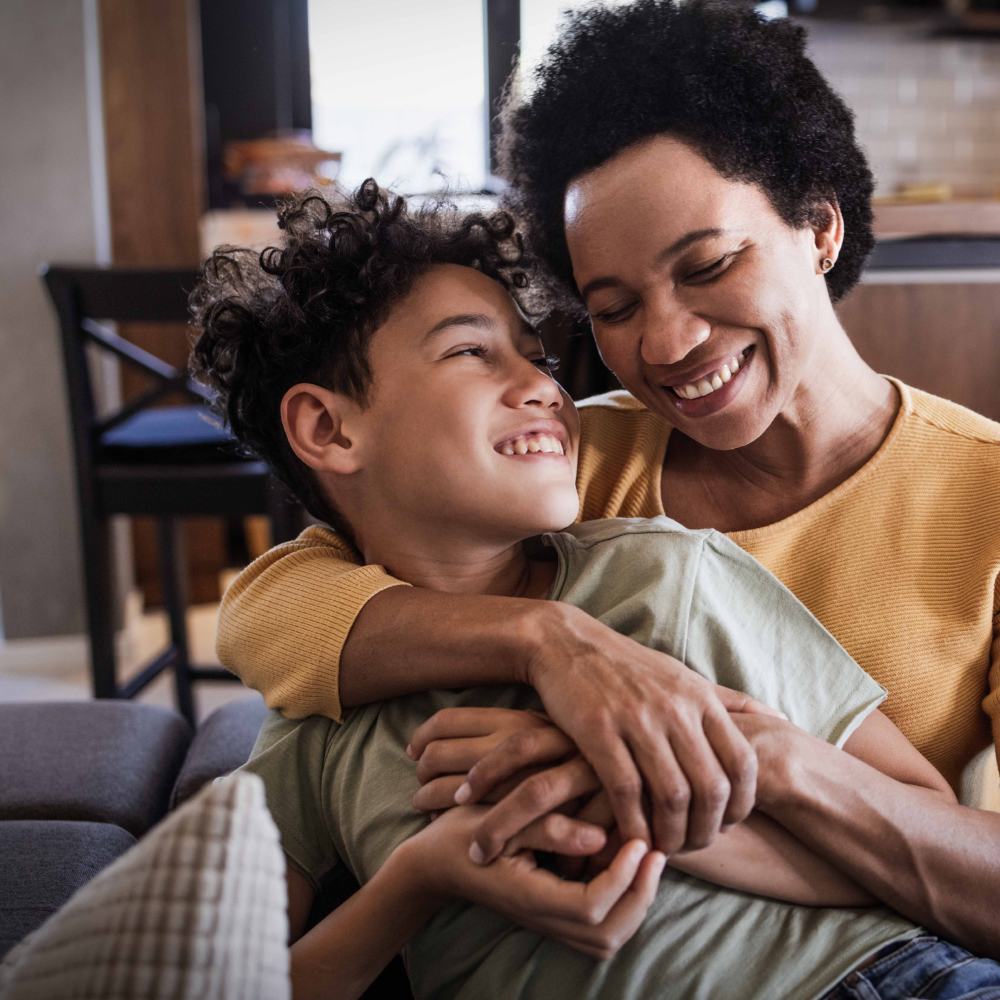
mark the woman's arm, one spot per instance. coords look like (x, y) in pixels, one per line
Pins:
(757, 856)
(916, 849)
(343, 954)
(304, 622)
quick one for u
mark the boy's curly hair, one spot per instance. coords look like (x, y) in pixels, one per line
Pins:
(305, 311)
(738, 89)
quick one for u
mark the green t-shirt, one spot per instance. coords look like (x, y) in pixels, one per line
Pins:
(341, 794)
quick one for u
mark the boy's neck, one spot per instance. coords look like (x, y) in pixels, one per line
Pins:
(455, 569)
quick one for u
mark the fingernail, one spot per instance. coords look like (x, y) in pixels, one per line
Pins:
(476, 854)
(463, 794)
(782, 714)
(409, 750)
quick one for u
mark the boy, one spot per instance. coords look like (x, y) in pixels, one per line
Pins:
(417, 415)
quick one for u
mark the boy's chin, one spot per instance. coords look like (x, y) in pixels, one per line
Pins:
(553, 517)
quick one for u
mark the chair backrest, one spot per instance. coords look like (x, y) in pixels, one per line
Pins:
(84, 295)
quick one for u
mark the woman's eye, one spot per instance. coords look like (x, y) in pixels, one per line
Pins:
(716, 267)
(616, 315)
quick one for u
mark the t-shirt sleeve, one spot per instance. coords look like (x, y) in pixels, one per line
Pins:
(747, 631)
(284, 621)
(289, 757)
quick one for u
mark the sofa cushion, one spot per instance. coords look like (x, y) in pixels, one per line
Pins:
(43, 862)
(194, 911)
(222, 744)
(93, 761)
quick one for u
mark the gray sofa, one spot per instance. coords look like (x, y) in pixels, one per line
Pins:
(81, 782)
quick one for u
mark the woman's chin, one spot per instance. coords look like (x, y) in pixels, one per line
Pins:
(727, 433)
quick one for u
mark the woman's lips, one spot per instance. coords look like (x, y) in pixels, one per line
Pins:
(714, 380)
(717, 397)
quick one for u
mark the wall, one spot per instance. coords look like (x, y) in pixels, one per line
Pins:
(46, 213)
(928, 108)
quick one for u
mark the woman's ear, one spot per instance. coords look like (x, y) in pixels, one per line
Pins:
(322, 428)
(828, 229)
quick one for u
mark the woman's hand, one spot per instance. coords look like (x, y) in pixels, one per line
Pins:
(637, 715)
(645, 722)
(595, 917)
(516, 759)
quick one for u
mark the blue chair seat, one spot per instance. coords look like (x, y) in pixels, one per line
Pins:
(171, 435)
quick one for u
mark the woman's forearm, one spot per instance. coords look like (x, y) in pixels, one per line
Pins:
(761, 857)
(343, 954)
(935, 862)
(408, 639)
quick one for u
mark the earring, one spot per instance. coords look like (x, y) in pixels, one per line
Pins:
(825, 264)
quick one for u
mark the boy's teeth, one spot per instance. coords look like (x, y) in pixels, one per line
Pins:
(532, 444)
(717, 379)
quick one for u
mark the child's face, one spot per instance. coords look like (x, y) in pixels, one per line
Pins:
(466, 431)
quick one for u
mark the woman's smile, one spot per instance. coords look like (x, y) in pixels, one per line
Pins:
(714, 390)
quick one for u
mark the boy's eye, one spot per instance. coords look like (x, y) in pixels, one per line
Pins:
(476, 351)
(550, 364)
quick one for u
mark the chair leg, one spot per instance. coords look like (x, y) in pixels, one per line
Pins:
(100, 596)
(173, 574)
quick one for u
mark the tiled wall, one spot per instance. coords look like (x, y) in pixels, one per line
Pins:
(928, 109)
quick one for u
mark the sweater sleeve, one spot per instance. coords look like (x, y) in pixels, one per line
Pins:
(284, 621)
(991, 703)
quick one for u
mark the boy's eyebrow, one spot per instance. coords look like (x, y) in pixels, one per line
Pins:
(478, 320)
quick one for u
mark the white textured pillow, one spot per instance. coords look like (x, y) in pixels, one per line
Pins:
(196, 909)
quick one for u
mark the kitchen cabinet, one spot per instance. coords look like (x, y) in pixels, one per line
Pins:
(928, 312)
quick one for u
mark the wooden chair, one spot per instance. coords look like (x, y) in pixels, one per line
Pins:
(167, 463)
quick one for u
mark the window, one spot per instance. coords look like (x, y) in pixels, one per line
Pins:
(398, 89)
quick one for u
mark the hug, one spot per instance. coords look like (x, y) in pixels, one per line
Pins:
(668, 695)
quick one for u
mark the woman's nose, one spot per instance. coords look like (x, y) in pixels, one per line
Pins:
(670, 332)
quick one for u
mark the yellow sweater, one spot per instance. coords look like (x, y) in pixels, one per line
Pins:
(901, 563)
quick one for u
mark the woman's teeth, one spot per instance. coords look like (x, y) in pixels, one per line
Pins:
(716, 380)
(532, 443)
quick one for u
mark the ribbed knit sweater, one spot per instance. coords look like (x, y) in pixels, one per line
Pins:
(901, 563)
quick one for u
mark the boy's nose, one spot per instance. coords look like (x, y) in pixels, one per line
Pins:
(538, 388)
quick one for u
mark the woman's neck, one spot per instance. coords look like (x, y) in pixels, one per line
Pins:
(835, 421)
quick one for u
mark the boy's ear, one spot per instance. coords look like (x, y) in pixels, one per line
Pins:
(321, 426)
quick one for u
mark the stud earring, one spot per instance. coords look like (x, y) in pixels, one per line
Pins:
(825, 264)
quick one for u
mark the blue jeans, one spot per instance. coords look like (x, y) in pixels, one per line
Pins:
(923, 967)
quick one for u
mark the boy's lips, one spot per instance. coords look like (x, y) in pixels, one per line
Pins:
(546, 437)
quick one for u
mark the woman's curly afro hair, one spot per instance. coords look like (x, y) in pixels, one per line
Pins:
(305, 311)
(737, 88)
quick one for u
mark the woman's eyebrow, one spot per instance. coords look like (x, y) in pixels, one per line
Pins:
(478, 320)
(675, 248)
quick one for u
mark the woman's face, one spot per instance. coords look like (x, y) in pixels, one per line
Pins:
(704, 303)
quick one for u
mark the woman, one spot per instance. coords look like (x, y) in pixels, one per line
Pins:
(696, 187)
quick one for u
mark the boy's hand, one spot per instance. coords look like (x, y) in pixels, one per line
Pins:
(596, 918)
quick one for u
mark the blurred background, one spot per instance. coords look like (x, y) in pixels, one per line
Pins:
(142, 133)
